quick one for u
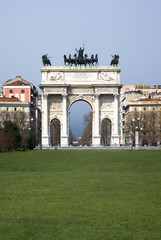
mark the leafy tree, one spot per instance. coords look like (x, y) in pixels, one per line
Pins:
(31, 140)
(13, 133)
(4, 141)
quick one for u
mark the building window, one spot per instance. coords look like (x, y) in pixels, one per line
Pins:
(127, 89)
(10, 91)
(22, 91)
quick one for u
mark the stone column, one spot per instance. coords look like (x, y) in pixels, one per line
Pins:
(136, 138)
(45, 134)
(116, 123)
(64, 135)
(96, 127)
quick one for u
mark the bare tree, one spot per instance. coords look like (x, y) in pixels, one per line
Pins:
(86, 137)
(147, 123)
(72, 138)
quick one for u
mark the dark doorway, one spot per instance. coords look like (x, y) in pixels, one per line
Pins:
(106, 132)
(55, 132)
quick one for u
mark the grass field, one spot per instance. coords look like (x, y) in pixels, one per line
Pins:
(80, 195)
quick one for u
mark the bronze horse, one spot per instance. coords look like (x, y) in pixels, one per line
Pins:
(46, 60)
(81, 59)
(115, 60)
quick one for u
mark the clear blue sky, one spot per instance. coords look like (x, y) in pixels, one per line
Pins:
(129, 28)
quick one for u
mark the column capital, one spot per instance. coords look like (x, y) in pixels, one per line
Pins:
(115, 95)
(97, 95)
(64, 95)
(45, 95)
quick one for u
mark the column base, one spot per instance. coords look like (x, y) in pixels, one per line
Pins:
(45, 141)
(64, 141)
(115, 141)
(96, 140)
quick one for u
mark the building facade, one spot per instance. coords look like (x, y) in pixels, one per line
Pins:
(62, 86)
(142, 117)
(15, 110)
(25, 92)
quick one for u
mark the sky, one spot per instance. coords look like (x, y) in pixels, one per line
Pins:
(129, 28)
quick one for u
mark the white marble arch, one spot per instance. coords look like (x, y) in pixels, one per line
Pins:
(98, 86)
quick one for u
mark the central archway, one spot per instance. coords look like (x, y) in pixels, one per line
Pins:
(80, 123)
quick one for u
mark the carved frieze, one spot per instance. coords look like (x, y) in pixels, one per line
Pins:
(106, 76)
(57, 76)
(55, 97)
(54, 90)
(89, 99)
(80, 76)
(80, 90)
(55, 105)
(106, 105)
(106, 90)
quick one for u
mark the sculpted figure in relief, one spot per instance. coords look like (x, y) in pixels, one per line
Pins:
(105, 76)
(57, 76)
(105, 106)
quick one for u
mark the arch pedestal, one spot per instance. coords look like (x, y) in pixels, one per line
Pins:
(62, 86)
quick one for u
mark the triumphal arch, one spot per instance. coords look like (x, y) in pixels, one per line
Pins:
(97, 85)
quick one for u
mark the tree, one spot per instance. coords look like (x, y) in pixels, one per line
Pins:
(31, 140)
(4, 141)
(72, 138)
(86, 137)
(13, 133)
(19, 117)
(147, 123)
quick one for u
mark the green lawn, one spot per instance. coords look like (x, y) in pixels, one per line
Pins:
(80, 195)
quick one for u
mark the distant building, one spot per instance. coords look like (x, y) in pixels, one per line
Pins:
(135, 98)
(142, 115)
(144, 89)
(15, 110)
(25, 92)
(1, 91)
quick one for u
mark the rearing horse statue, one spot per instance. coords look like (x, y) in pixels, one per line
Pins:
(115, 60)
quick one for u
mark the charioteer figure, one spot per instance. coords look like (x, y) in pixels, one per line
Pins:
(115, 60)
(81, 59)
(45, 60)
(80, 52)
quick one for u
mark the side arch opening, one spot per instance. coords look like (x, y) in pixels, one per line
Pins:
(106, 132)
(55, 132)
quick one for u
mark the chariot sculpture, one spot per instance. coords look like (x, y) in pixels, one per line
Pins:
(80, 59)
